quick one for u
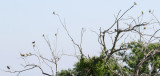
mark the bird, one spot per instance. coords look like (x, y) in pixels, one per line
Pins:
(54, 13)
(135, 3)
(43, 35)
(149, 11)
(8, 67)
(56, 34)
(33, 45)
(142, 13)
(115, 30)
(22, 54)
(33, 42)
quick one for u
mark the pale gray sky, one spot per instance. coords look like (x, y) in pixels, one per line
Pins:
(24, 21)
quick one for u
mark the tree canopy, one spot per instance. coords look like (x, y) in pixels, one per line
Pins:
(125, 57)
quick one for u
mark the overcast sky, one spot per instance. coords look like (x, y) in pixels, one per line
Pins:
(24, 21)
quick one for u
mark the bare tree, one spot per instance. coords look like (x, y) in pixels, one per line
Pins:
(133, 27)
(42, 60)
(120, 31)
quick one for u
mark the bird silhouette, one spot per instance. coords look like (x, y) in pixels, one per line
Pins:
(8, 67)
(33, 42)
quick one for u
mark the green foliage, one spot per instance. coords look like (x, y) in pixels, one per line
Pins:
(96, 66)
(68, 72)
(138, 51)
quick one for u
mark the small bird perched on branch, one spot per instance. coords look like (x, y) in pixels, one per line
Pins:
(8, 67)
(22, 54)
(33, 42)
(115, 30)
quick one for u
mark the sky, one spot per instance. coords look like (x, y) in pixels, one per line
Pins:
(25, 21)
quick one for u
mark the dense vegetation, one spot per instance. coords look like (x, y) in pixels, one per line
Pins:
(96, 66)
